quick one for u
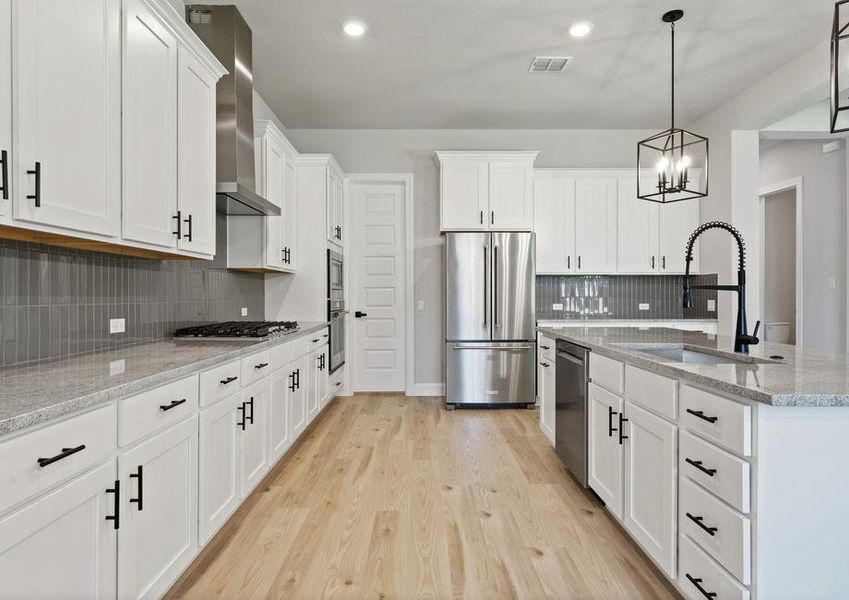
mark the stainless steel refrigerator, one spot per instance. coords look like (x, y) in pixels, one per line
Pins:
(490, 321)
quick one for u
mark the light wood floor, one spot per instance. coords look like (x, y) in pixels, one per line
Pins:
(394, 497)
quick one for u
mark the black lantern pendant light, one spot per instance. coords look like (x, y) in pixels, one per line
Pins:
(839, 35)
(672, 165)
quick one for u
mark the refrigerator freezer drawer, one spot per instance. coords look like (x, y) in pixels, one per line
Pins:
(490, 373)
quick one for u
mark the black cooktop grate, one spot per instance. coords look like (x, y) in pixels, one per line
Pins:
(247, 329)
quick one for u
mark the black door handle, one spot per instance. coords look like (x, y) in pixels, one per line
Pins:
(699, 521)
(179, 218)
(621, 429)
(188, 221)
(698, 464)
(359, 315)
(37, 195)
(696, 581)
(65, 453)
(4, 173)
(228, 380)
(117, 491)
(139, 474)
(700, 414)
(610, 427)
(164, 407)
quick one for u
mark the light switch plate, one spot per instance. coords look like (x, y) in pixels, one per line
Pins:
(711, 305)
(244, 311)
(644, 306)
(557, 306)
(832, 283)
(420, 305)
(117, 326)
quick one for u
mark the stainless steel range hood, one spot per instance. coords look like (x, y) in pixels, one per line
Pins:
(226, 34)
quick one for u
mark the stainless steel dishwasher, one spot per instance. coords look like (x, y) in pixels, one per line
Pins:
(571, 414)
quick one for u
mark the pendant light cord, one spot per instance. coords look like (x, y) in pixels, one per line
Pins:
(672, 77)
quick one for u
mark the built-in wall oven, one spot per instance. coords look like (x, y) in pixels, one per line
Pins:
(336, 308)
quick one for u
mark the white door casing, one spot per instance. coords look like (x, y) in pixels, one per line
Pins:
(378, 259)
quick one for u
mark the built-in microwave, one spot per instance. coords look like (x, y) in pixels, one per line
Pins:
(335, 277)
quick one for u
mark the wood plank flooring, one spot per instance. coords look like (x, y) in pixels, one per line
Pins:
(395, 497)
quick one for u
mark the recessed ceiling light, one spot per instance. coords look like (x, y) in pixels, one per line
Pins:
(580, 29)
(354, 29)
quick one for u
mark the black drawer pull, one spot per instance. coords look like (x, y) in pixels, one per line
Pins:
(228, 380)
(622, 435)
(139, 474)
(117, 491)
(37, 195)
(179, 218)
(65, 453)
(188, 221)
(250, 417)
(338, 383)
(164, 407)
(700, 414)
(610, 427)
(696, 581)
(316, 340)
(544, 364)
(4, 173)
(298, 378)
(700, 467)
(698, 521)
(545, 347)
(242, 422)
(260, 366)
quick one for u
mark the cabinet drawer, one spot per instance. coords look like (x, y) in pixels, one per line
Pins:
(655, 392)
(21, 475)
(281, 355)
(317, 339)
(546, 348)
(300, 347)
(716, 470)
(701, 576)
(722, 421)
(730, 541)
(255, 367)
(606, 372)
(150, 411)
(218, 383)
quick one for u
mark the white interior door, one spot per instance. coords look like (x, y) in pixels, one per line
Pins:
(377, 284)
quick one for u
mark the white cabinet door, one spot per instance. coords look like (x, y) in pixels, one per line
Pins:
(338, 209)
(66, 84)
(464, 192)
(677, 222)
(324, 378)
(6, 110)
(61, 545)
(313, 390)
(605, 467)
(511, 202)
(547, 392)
(219, 465)
(280, 434)
(253, 441)
(273, 187)
(290, 217)
(636, 231)
(149, 201)
(651, 453)
(595, 218)
(334, 207)
(159, 506)
(297, 389)
(554, 224)
(196, 154)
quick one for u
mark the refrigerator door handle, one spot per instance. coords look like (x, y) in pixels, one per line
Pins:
(484, 286)
(490, 347)
(495, 285)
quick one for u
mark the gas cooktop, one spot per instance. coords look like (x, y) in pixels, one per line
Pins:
(238, 330)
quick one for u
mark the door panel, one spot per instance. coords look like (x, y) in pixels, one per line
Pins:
(290, 216)
(637, 230)
(605, 459)
(595, 218)
(296, 388)
(278, 414)
(511, 205)
(513, 286)
(468, 260)
(219, 465)
(554, 224)
(677, 222)
(254, 438)
(464, 194)
(490, 373)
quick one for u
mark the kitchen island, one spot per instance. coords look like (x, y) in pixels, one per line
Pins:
(728, 470)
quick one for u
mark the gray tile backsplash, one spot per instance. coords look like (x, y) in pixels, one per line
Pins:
(56, 302)
(619, 297)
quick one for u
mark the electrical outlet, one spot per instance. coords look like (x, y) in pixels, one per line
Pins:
(644, 306)
(117, 326)
(832, 283)
(711, 305)
(116, 367)
(420, 305)
(557, 306)
(244, 311)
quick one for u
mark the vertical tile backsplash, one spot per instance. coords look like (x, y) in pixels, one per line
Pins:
(620, 296)
(56, 302)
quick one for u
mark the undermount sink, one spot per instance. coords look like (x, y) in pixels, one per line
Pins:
(690, 355)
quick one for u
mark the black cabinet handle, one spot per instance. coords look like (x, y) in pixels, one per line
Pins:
(481, 217)
(492, 218)
(117, 491)
(622, 419)
(698, 521)
(545, 365)
(316, 340)
(700, 467)
(65, 453)
(338, 383)
(37, 195)
(260, 366)
(696, 583)
(175, 403)
(4, 173)
(325, 335)
(188, 222)
(242, 422)
(139, 474)
(579, 261)
(700, 414)
(568, 262)
(228, 380)
(298, 378)
(652, 263)
(359, 315)
(610, 427)
(179, 218)
(663, 262)
(292, 383)
(545, 347)
(250, 403)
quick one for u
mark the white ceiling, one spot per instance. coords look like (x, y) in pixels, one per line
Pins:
(464, 63)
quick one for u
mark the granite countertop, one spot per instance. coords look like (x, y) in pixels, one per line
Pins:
(802, 377)
(38, 392)
(577, 322)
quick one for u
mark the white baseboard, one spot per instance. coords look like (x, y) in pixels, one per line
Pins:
(429, 389)
(549, 433)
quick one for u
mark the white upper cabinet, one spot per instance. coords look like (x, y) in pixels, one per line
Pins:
(595, 224)
(150, 128)
(486, 191)
(554, 223)
(66, 86)
(6, 111)
(335, 203)
(290, 216)
(271, 161)
(677, 221)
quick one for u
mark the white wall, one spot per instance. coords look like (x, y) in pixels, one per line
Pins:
(403, 151)
(779, 233)
(824, 234)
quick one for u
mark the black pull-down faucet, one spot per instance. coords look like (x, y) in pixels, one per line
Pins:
(742, 339)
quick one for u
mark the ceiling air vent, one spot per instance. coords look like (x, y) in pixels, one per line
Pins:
(549, 64)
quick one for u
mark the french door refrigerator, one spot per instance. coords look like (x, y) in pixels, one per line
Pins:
(490, 321)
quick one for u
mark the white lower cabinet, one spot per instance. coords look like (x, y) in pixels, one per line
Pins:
(605, 468)
(545, 377)
(279, 414)
(651, 457)
(219, 492)
(317, 393)
(62, 545)
(297, 388)
(253, 438)
(158, 532)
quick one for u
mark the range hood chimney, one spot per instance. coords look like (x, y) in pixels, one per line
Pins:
(226, 34)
